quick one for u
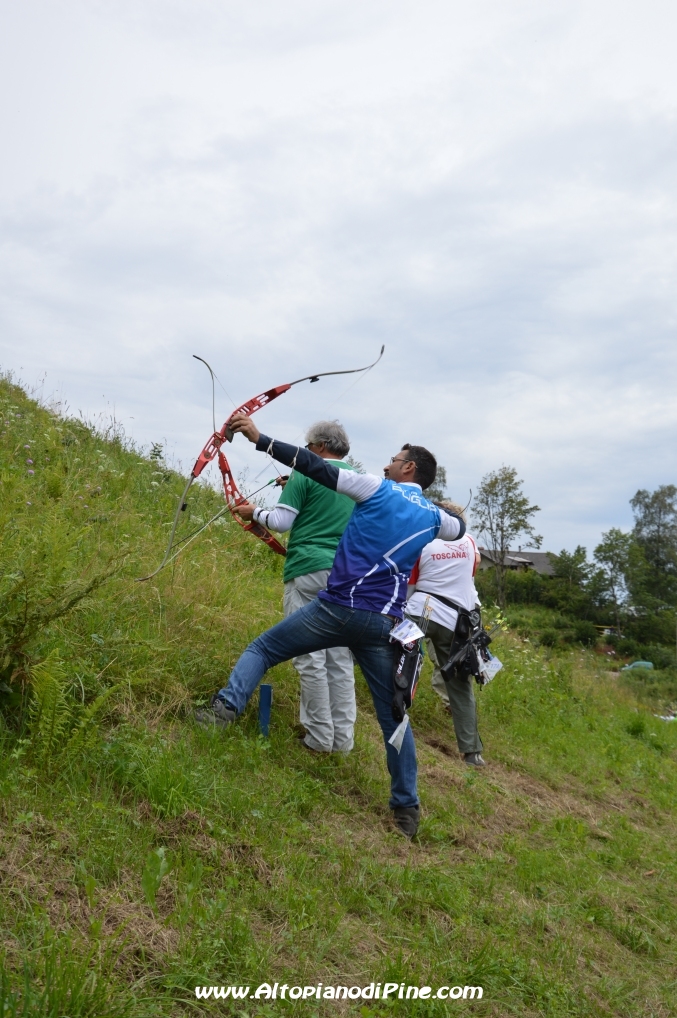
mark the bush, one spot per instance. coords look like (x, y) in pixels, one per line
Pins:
(520, 587)
(655, 628)
(636, 727)
(585, 633)
(660, 657)
(624, 646)
(549, 638)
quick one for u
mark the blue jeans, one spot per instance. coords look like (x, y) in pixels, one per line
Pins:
(320, 625)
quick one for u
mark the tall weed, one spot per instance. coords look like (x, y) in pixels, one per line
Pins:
(62, 981)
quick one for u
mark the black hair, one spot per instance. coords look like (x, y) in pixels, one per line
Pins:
(426, 464)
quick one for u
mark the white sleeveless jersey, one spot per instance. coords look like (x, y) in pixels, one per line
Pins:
(446, 568)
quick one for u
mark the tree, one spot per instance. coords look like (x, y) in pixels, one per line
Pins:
(573, 567)
(569, 590)
(655, 532)
(502, 512)
(436, 491)
(613, 556)
(356, 465)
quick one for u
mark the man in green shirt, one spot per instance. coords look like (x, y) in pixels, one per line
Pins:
(317, 517)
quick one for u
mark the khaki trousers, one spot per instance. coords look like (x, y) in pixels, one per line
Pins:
(328, 708)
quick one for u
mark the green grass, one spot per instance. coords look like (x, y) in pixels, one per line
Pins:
(548, 879)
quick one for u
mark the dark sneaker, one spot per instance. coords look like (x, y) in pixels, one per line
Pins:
(406, 819)
(217, 715)
(317, 752)
(474, 760)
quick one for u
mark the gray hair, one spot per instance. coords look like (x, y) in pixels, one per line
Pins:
(331, 434)
(453, 507)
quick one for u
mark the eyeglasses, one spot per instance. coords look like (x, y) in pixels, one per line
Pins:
(396, 459)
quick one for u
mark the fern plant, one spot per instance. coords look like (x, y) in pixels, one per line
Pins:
(51, 710)
(86, 732)
(37, 591)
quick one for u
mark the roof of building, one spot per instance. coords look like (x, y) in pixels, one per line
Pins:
(539, 561)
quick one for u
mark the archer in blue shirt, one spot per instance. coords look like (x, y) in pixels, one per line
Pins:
(365, 594)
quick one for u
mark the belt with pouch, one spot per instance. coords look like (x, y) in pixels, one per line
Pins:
(457, 607)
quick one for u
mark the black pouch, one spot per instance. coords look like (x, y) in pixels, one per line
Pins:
(463, 657)
(406, 670)
(482, 641)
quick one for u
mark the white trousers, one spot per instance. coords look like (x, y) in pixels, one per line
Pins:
(328, 708)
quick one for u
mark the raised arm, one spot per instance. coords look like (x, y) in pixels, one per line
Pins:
(303, 460)
(346, 482)
(452, 527)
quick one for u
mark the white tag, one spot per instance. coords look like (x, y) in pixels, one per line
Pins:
(490, 668)
(406, 632)
(397, 737)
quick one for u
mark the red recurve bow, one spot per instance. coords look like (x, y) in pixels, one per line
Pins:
(213, 449)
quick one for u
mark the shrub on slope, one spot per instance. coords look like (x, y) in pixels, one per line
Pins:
(81, 515)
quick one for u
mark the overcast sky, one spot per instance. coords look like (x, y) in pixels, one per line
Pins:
(486, 188)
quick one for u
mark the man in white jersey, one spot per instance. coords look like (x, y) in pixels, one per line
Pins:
(444, 573)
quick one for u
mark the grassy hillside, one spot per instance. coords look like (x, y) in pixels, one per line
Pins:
(140, 857)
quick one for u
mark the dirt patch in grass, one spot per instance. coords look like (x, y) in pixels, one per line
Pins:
(145, 937)
(537, 796)
(250, 857)
(444, 747)
(508, 798)
(33, 876)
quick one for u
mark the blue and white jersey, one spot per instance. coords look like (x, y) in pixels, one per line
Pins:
(385, 536)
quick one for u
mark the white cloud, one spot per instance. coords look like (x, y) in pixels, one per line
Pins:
(489, 190)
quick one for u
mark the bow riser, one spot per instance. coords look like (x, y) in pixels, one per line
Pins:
(214, 444)
(207, 455)
(233, 494)
(258, 531)
(234, 497)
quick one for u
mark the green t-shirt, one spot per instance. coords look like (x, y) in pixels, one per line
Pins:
(322, 517)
